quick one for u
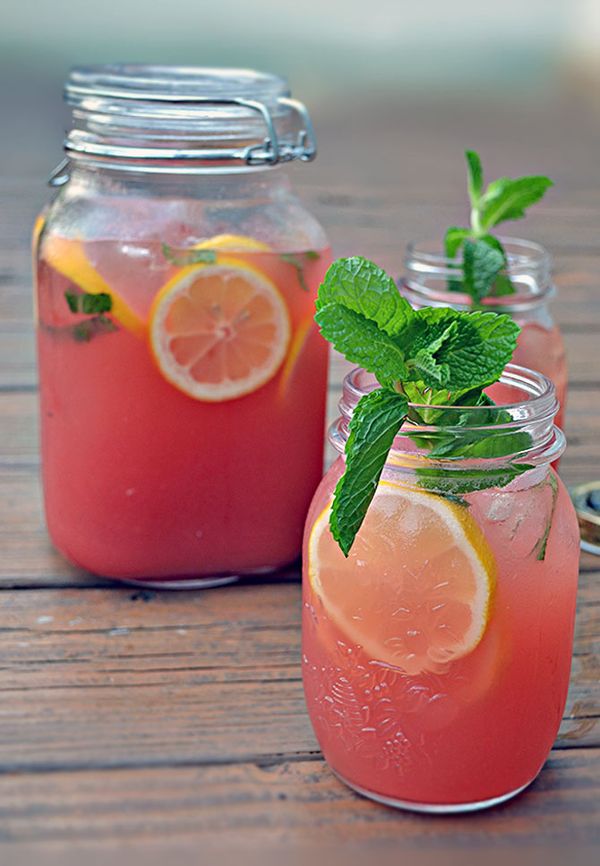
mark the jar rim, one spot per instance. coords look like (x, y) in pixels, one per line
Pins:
(533, 412)
(190, 115)
(529, 265)
(162, 83)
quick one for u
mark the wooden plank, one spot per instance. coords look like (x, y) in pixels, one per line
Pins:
(283, 802)
(96, 678)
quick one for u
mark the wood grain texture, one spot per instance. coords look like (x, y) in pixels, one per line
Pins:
(132, 720)
(289, 802)
(123, 678)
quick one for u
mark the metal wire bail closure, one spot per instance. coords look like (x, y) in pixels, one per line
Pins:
(131, 114)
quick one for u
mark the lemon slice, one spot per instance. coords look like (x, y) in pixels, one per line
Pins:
(296, 346)
(416, 589)
(233, 243)
(38, 228)
(219, 331)
(67, 256)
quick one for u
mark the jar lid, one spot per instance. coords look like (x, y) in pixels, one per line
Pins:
(197, 115)
(586, 499)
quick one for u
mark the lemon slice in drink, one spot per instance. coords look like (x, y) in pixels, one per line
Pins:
(416, 589)
(219, 331)
(233, 243)
(68, 257)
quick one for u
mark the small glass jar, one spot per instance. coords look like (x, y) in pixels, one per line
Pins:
(436, 657)
(429, 275)
(182, 378)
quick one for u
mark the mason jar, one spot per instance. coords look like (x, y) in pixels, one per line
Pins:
(436, 657)
(430, 281)
(182, 378)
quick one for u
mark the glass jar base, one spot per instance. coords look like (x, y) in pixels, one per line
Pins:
(209, 582)
(183, 583)
(433, 808)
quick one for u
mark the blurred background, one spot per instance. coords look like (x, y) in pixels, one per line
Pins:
(397, 90)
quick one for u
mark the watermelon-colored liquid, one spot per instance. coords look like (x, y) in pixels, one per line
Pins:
(542, 349)
(141, 481)
(482, 729)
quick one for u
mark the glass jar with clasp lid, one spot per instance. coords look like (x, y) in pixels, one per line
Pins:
(182, 378)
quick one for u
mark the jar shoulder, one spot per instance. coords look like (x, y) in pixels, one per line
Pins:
(274, 215)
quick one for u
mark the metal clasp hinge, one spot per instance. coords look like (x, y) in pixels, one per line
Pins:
(60, 175)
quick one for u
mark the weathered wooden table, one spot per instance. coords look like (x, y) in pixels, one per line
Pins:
(175, 721)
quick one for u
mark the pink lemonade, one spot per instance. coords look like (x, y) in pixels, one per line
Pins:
(540, 347)
(143, 480)
(397, 715)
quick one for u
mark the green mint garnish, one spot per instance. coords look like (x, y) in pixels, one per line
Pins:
(438, 357)
(542, 543)
(188, 257)
(94, 326)
(94, 306)
(484, 257)
(87, 303)
(298, 262)
(375, 423)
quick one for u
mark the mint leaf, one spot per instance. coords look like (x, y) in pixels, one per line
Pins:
(363, 287)
(72, 300)
(88, 303)
(472, 353)
(298, 262)
(475, 175)
(188, 257)
(481, 265)
(478, 444)
(542, 543)
(455, 237)
(493, 242)
(93, 327)
(503, 286)
(507, 199)
(458, 483)
(498, 333)
(100, 303)
(362, 342)
(375, 423)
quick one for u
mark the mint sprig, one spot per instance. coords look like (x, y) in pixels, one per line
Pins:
(375, 423)
(484, 257)
(437, 357)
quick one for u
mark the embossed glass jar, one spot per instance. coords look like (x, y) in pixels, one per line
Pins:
(180, 367)
(436, 657)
